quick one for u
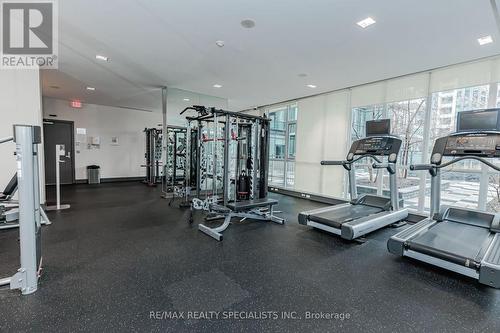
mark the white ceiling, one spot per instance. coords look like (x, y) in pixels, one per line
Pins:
(152, 43)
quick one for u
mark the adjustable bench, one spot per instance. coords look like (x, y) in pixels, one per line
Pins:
(9, 208)
(248, 209)
(9, 190)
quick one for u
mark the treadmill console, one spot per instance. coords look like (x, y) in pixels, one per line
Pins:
(376, 145)
(478, 120)
(479, 144)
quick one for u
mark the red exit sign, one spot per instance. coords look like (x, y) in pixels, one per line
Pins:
(76, 104)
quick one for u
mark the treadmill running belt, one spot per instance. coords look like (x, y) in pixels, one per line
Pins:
(335, 218)
(459, 239)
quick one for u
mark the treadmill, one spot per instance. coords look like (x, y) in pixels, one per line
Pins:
(367, 212)
(461, 240)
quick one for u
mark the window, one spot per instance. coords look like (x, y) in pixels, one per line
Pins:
(407, 118)
(461, 182)
(498, 96)
(407, 122)
(283, 141)
(361, 115)
(291, 140)
(446, 99)
(365, 174)
(493, 196)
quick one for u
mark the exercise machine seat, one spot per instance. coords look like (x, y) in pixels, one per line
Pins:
(251, 204)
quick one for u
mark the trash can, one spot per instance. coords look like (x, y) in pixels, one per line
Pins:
(93, 174)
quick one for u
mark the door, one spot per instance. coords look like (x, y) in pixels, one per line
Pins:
(58, 132)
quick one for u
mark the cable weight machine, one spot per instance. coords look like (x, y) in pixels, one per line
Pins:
(231, 166)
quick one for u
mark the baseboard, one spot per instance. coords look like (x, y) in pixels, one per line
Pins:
(307, 196)
(113, 180)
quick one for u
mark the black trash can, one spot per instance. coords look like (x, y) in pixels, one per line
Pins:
(94, 174)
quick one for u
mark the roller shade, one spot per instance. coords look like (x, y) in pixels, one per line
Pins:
(406, 88)
(461, 76)
(368, 94)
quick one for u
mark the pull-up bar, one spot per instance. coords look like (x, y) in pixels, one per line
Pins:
(204, 113)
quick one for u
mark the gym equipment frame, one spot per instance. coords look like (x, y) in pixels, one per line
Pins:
(27, 139)
(232, 151)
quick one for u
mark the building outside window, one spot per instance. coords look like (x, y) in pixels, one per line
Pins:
(365, 174)
(282, 150)
(461, 182)
(407, 118)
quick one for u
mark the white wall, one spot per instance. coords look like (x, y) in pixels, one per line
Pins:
(20, 103)
(123, 160)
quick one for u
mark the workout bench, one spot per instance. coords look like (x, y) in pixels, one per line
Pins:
(248, 209)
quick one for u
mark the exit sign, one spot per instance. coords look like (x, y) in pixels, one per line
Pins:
(76, 104)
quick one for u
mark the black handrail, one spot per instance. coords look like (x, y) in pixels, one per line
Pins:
(415, 167)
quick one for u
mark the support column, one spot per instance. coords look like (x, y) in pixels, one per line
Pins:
(227, 141)
(427, 145)
(380, 172)
(164, 93)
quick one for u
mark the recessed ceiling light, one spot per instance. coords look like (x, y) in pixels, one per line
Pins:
(366, 22)
(219, 43)
(101, 57)
(217, 86)
(186, 99)
(485, 40)
(248, 23)
(312, 86)
(90, 88)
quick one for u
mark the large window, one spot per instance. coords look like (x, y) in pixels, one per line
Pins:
(365, 174)
(461, 182)
(407, 118)
(283, 145)
(493, 196)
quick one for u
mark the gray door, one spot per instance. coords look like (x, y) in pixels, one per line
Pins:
(57, 133)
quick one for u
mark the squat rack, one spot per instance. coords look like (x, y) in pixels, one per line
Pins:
(256, 137)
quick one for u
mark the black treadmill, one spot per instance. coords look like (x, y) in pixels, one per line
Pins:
(367, 212)
(462, 240)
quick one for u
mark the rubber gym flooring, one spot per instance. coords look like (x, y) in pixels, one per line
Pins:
(121, 259)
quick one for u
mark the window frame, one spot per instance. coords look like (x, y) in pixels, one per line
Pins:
(491, 100)
(287, 158)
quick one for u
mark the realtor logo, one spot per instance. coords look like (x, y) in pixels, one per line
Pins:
(29, 34)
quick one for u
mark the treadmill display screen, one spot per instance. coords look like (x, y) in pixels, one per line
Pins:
(378, 127)
(375, 145)
(471, 143)
(477, 120)
(372, 144)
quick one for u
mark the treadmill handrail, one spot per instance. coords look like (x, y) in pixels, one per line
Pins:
(333, 162)
(390, 167)
(419, 167)
(345, 162)
(416, 167)
(468, 157)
